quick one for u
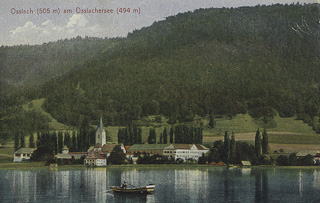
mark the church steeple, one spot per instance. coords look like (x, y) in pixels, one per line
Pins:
(100, 125)
(100, 133)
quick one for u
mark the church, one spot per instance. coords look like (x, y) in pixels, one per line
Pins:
(100, 133)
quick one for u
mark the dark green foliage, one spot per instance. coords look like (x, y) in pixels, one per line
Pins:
(73, 147)
(130, 135)
(232, 148)
(60, 142)
(54, 142)
(211, 121)
(67, 139)
(171, 135)
(161, 138)
(187, 134)
(38, 138)
(31, 141)
(292, 160)
(45, 148)
(307, 160)
(152, 139)
(282, 160)
(244, 152)
(165, 136)
(226, 154)
(222, 61)
(257, 142)
(202, 159)
(22, 140)
(117, 156)
(16, 141)
(265, 142)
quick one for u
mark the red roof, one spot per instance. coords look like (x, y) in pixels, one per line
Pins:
(96, 155)
(126, 148)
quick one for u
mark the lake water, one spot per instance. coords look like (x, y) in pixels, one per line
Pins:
(203, 184)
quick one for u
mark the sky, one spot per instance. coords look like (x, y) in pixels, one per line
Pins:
(37, 21)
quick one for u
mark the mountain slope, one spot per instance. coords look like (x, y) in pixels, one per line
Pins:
(222, 61)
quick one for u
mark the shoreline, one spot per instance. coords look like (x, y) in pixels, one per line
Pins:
(40, 165)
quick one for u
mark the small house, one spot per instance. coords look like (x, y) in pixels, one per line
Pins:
(96, 158)
(245, 163)
(23, 154)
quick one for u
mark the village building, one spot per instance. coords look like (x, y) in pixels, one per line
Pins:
(23, 154)
(314, 153)
(67, 157)
(245, 163)
(304, 153)
(148, 149)
(96, 158)
(185, 151)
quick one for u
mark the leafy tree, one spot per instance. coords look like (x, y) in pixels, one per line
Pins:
(117, 156)
(292, 161)
(282, 160)
(202, 159)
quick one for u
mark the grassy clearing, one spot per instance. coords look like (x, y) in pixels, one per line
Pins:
(36, 105)
(243, 123)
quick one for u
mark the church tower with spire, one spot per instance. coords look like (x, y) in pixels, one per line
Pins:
(100, 133)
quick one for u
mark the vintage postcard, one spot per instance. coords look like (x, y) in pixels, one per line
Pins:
(159, 101)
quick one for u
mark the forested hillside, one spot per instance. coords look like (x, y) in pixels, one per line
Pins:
(258, 60)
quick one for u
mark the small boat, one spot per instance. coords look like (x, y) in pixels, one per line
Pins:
(145, 189)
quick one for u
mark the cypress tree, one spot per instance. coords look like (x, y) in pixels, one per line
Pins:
(22, 141)
(265, 142)
(54, 142)
(120, 136)
(171, 135)
(67, 139)
(152, 136)
(258, 147)
(31, 141)
(38, 139)
(139, 135)
(60, 142)
(226, 147)
(165, 136)
(16, 141)
(211, 121)
(232, 148)
(74, 142)
(161, 141)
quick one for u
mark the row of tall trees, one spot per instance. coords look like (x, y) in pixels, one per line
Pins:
(183, 134)
(231, 152)
(130, 135)
(261, 143)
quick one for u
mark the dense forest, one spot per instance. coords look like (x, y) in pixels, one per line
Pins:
(259, 60)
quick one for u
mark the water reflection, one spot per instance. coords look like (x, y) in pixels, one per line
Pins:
(172, 185)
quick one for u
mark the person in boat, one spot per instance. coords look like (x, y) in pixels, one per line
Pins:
(124, 185)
